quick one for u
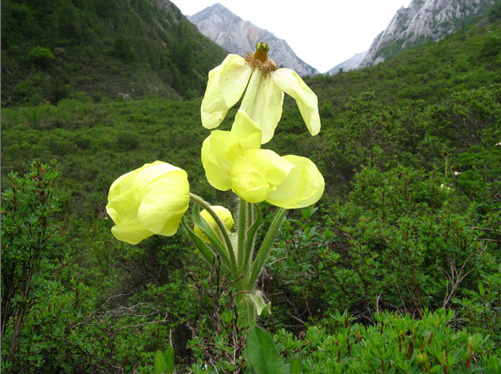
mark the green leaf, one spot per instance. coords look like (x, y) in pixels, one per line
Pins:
(295, 367)
(261, 306)
(481, 289)
(262, 354)
(160, 366)
(169, 360)
(262, 254)
(164, 362)
(202, 247)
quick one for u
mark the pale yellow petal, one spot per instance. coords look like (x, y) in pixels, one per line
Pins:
(274, 168)
(132, 192)
(164, 202)
(245, 134)
(149, 172)
(130, 232)
(122, 205)
(224, 215)
(121, 201)
(304, 185)
(225, 87)
(123, 211)
(212, 120)
(248, 182)
(263, 103)
(306, 100)
(217, 168)
(125, 182)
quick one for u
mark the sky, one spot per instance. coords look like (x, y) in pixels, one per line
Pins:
(322, 33)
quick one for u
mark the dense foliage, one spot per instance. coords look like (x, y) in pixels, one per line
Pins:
(396, 270)
(53, 49)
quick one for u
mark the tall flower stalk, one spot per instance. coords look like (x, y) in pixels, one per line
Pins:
(154, 198)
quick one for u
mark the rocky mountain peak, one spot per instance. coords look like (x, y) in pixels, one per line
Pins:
(422, 21)
(240, 37)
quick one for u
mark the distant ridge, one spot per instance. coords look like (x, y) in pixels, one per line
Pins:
(350, 64)
(240, 37)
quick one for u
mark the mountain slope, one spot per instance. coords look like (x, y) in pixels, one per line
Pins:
(240, 37)
(106, 48)
(422, 21)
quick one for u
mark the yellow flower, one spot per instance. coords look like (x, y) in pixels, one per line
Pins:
(264, 86)
(223, 214)
(147, 201)
(233, 160)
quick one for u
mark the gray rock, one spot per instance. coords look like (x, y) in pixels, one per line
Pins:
(351, 64)
(240, 37)
(422, 21)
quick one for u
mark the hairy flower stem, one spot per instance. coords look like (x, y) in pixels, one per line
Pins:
(243, 265)
(242, 232)
(264, 250)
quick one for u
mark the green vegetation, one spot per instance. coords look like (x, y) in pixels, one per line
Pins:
(396, 270)
(54, 49)
(392, 345)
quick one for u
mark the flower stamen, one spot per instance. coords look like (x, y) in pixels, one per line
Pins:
(260, 59)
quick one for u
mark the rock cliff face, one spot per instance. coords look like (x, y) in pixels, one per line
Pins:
(240, 37)
(423, 20)
(350, 64)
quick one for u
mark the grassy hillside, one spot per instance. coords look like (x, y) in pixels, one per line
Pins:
(52, 50)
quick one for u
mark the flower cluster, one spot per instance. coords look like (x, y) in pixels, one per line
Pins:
(153, 199)
(234, 160)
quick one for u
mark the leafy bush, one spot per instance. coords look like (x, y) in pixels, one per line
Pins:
(28, 251)
(41, 57)
(394, 344)
(123, 50)
(407, 230)
(402, 240)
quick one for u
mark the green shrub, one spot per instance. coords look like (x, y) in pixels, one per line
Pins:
(28, 251)
(403, 240)
(41, 57)
(394, 344)
(123, 50)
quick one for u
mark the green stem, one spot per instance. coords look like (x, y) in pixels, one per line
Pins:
(251, 314)
(249, 243)
(262, 254)
(250, 215)
(222, 228)
(242, 232)
(247, 306)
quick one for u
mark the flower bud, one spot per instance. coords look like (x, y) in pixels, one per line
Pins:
(223, 214)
